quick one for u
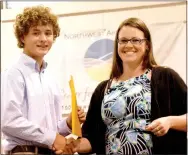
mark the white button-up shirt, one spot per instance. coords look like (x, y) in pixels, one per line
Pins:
(30, 105)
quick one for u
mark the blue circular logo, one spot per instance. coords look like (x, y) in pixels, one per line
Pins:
(98, 59)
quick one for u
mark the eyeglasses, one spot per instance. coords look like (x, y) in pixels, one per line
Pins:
(134, 41)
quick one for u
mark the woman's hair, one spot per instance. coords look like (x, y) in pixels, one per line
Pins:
(148, 62)
(34, 16)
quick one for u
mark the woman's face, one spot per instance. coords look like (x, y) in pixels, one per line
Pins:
(131, 45)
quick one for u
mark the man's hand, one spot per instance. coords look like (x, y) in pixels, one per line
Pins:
(59, 144)
(71, 146)
(81, 117)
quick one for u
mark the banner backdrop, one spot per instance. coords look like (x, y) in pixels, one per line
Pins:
(87, 56)
(84, 50)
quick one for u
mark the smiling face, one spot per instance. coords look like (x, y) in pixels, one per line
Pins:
(38, 41)
(131, 52)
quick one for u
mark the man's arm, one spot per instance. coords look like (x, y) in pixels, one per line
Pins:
(62, 125)
(13, 121)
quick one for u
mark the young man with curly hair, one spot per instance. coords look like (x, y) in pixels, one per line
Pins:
(31, 100)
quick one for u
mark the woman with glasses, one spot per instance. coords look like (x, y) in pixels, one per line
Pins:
(141, 109)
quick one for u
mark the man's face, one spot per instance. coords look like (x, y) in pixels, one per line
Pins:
(38, 41)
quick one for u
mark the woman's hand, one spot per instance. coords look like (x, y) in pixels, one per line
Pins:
(159, 126)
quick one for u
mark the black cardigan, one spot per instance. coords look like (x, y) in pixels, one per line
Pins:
(168, 97)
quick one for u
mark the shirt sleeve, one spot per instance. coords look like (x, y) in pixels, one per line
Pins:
(62, 126)
(13, 121)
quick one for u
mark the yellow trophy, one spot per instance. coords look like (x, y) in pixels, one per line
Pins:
(76, 127)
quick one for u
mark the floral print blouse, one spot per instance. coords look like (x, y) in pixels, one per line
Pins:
(126, 110)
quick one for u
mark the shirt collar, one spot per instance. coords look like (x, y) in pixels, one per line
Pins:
(32, 63)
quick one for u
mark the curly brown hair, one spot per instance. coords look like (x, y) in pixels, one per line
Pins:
(33, 16)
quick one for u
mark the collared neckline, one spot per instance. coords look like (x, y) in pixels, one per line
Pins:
(32, 63)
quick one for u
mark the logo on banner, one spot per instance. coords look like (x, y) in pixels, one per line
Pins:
(98, 59)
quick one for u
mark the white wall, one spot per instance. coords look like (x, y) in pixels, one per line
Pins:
(70, 8)
(150, 12)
